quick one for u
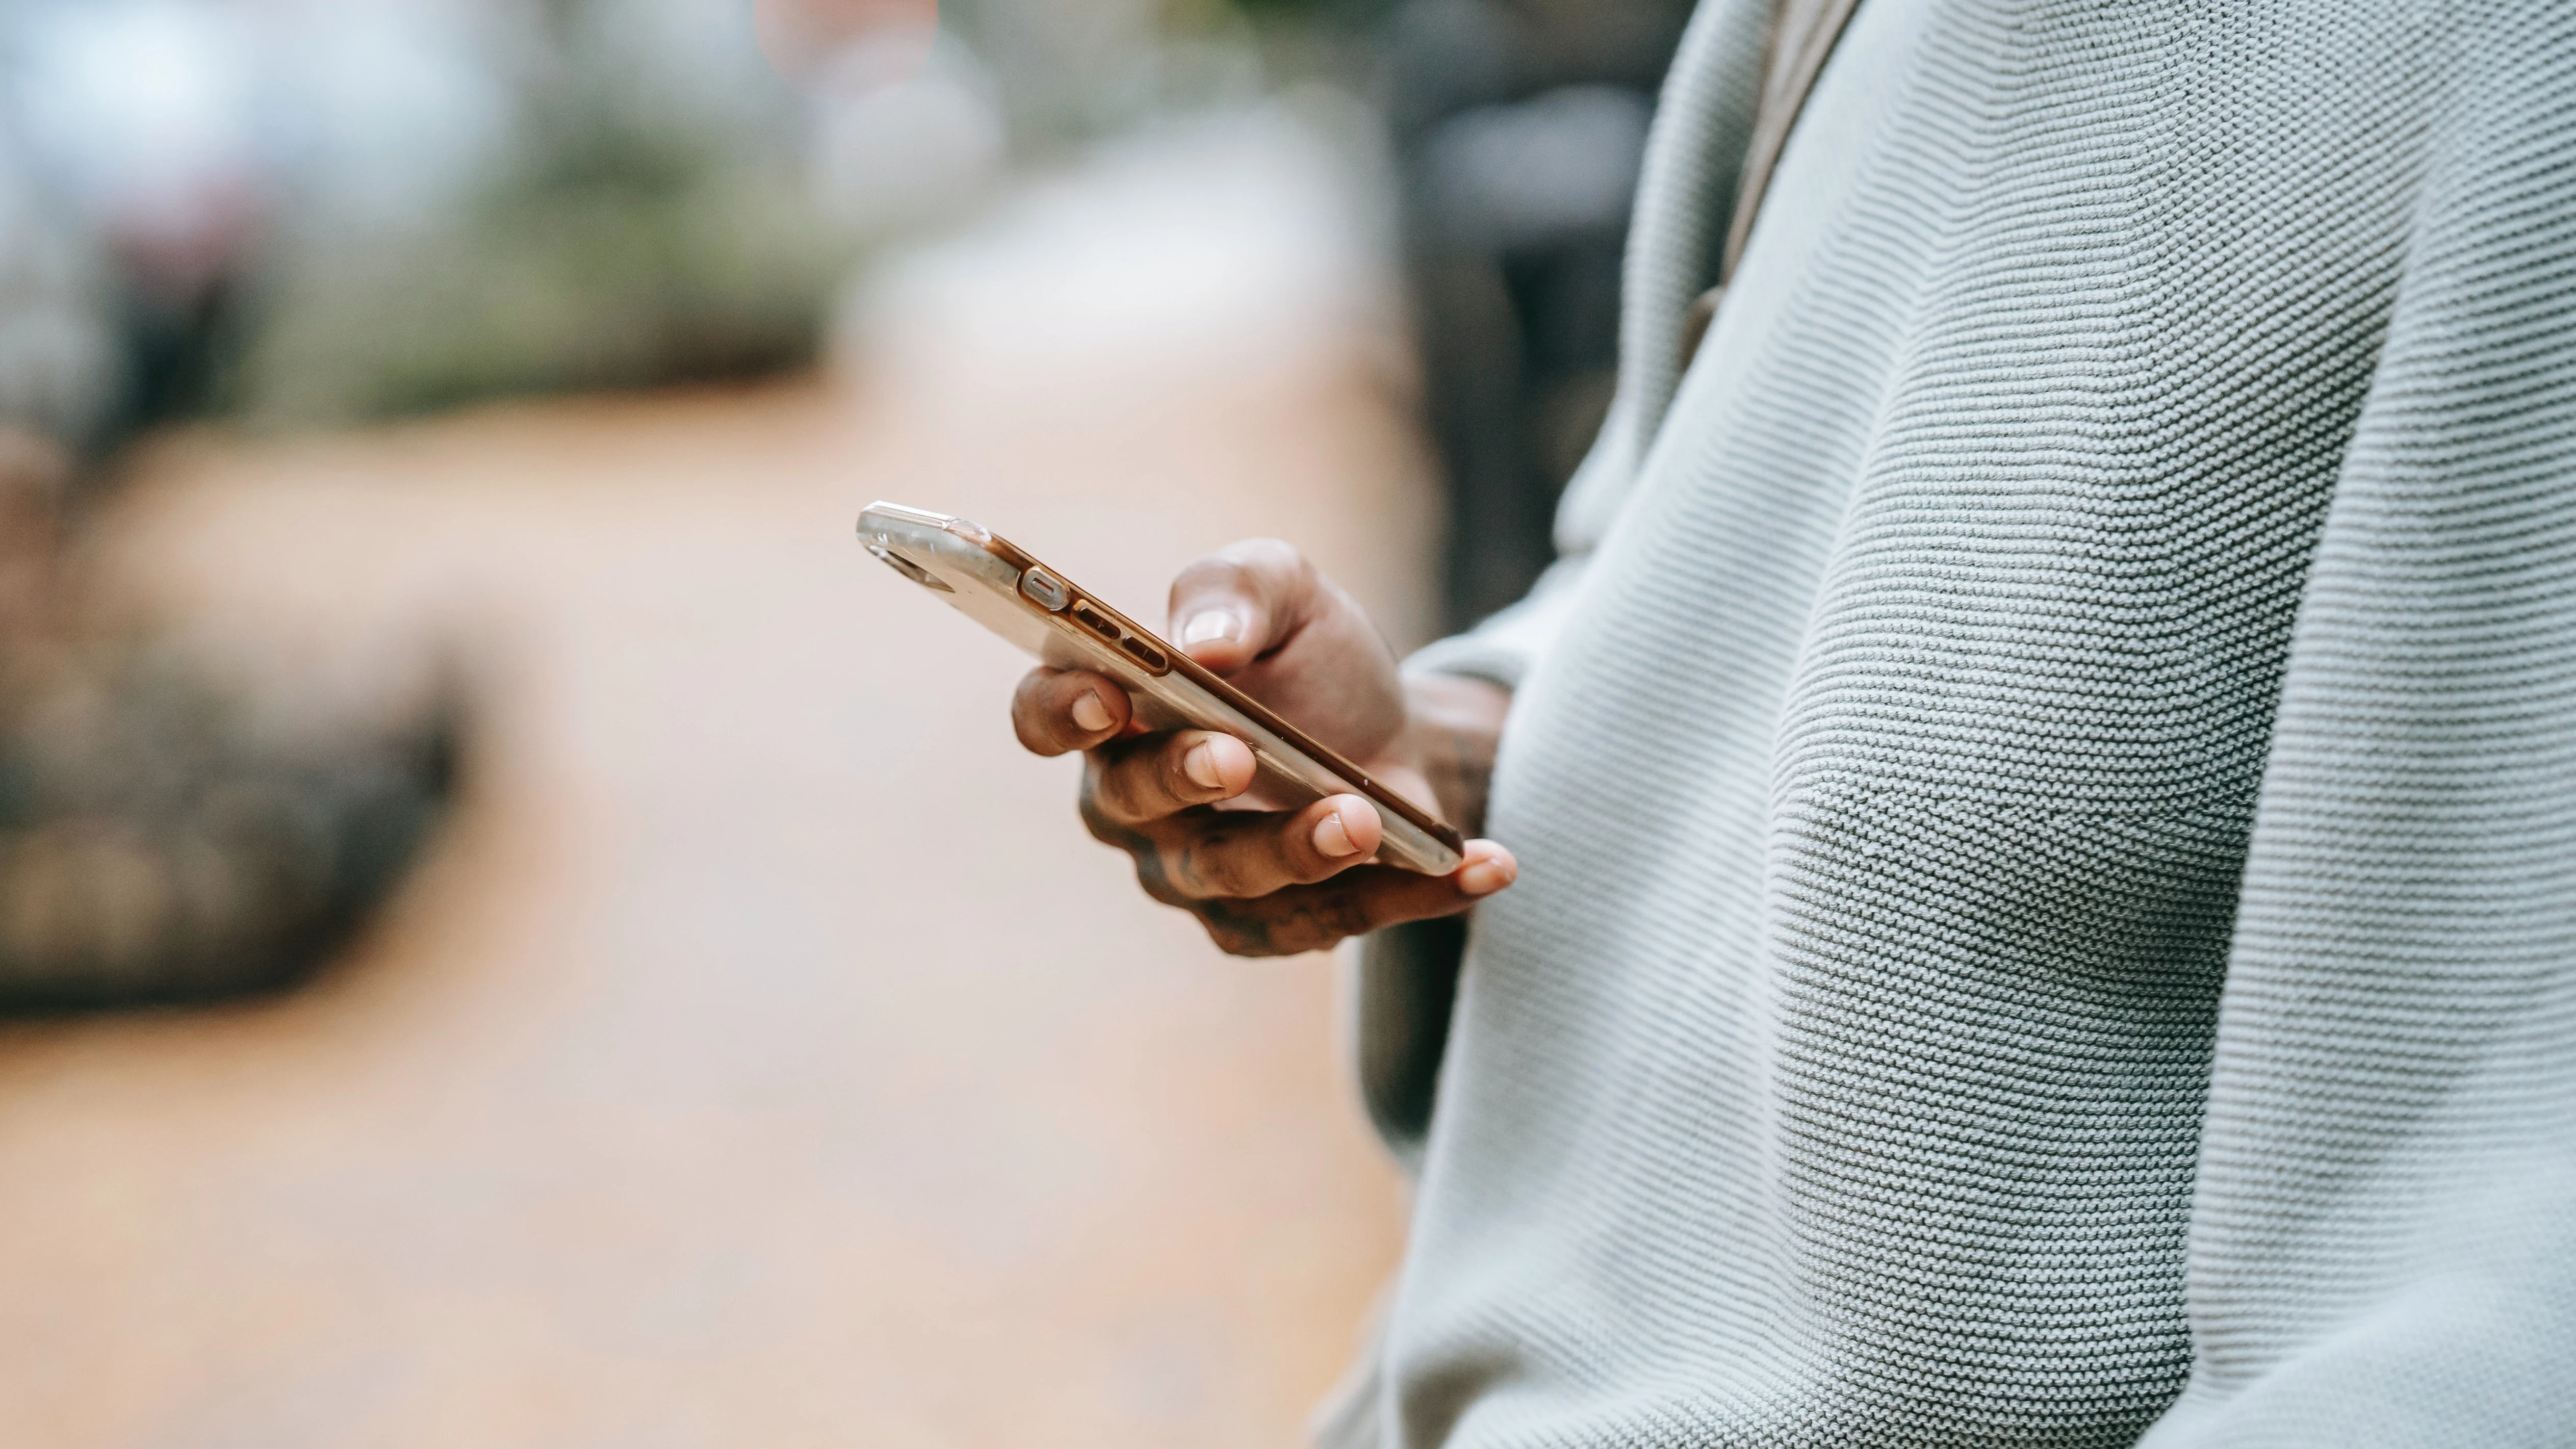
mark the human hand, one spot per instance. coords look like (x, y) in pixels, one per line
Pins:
(1271, 882)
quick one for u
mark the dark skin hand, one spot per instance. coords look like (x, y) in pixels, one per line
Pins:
(1275, 882)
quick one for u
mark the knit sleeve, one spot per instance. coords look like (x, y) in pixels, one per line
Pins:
(1503, 648)
(2383, 1232)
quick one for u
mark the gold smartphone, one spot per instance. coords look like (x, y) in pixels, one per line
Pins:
(1001, 587)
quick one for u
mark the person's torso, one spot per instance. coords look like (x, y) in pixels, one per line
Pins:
(1834, 1072)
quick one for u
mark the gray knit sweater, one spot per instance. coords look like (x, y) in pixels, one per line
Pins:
(2046, 783)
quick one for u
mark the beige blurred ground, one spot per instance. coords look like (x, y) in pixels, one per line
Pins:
(765, 1057)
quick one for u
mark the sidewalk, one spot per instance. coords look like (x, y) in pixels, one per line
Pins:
(765, 1057)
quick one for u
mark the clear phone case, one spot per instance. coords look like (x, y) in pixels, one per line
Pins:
(1007, 591)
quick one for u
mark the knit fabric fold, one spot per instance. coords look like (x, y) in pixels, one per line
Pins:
(2046, 787)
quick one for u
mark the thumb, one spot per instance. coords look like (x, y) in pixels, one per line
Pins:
(1241, 602)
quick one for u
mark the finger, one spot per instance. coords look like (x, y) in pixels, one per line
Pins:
(1315, 917)
(1145, 779)
(1056, 710)
(1241, 602)
(1238, 854)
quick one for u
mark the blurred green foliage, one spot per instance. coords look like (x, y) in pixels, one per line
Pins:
(628, 237)
(622, 242)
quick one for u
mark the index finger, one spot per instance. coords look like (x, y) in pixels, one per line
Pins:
(1055, 711)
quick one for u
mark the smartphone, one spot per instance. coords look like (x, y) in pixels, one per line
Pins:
(1001, 587)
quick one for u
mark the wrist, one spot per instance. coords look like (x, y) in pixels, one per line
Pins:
(1453, 725)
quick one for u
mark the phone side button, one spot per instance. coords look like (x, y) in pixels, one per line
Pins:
(1146, 654)
(1045, 590)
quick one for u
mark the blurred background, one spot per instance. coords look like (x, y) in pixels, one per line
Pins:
(512, 929)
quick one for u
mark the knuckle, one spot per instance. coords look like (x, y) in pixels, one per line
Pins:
(1121, 792)
(1097, 821)
(1215, 574)
(1274, 556)
(1242, 928)
(1263, 571)
(1178, 865)
(1152, 879)
(1101, 820)
(1346, 913)
(1146, 795)
(1108, 800)
(1200, 864)
(1088, 800)
(1221, 567)
(1222, 865)
(1041, 735)
(1225, 930)
(1328, 916)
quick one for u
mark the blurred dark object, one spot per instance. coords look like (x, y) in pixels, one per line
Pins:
(158, 846)
(1408, 988)
(1519, 126)
(165, 837)
(34, 475)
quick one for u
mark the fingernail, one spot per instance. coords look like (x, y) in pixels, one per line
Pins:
(1089, 714)
(1200, 765)
(1212, 625)
(1484, 877)
(1331, 839)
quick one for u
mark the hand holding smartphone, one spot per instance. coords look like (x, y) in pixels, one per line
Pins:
(1178, 750)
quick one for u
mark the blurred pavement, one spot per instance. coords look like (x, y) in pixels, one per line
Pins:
(765, 1056)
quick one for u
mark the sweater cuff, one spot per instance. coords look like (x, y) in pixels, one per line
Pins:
(1503, 649)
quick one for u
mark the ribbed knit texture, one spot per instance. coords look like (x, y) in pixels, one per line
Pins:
(2048, 819)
